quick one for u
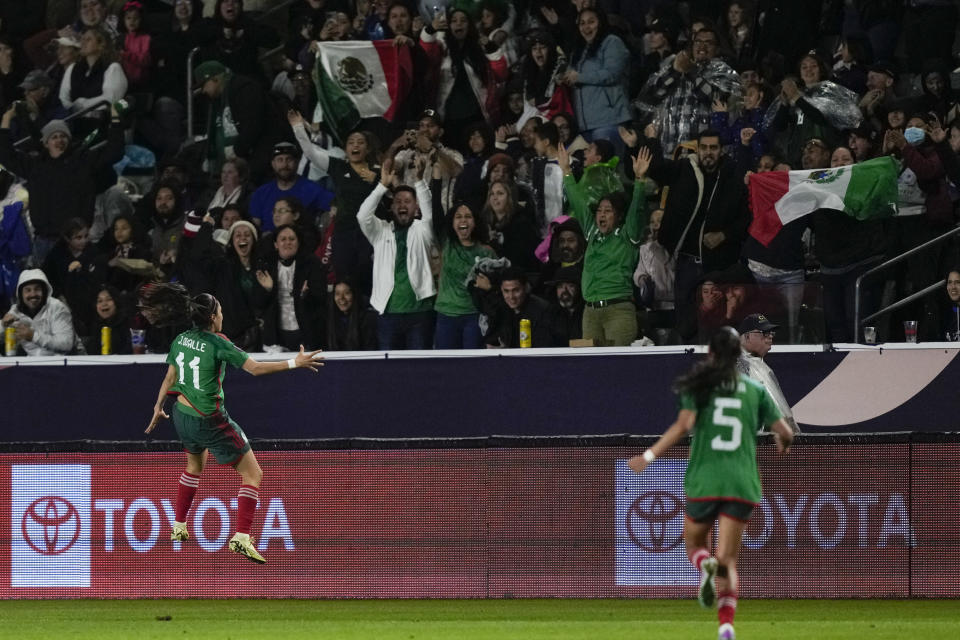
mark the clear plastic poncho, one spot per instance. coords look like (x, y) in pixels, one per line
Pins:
(680, 114)
(839, 105)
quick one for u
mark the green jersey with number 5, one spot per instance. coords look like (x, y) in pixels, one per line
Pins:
(198, 357)
(723, 452)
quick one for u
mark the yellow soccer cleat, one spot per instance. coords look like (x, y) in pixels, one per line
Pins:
(179, 533)
(242, 543)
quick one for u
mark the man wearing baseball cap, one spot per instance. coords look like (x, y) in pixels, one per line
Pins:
(756, 338)
(242, 123)
(286, 184)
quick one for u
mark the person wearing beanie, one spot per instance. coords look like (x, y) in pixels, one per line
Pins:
(232, 277)
(62, 180)
(241, 123)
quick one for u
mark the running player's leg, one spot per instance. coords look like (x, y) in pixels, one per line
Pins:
(186, 490)
(696, 538)
(729, 537)
(247, 497)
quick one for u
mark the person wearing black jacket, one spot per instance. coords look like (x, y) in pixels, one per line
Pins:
(243, 120)
(351, 322)
(62, 179)
(518, 304)
(705, 219)
(235, 39)
(296, 284)
(232, 273)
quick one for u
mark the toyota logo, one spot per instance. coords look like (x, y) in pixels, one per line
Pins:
(648, 521)
(50, 525)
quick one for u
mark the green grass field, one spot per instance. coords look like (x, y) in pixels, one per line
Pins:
(475, 619)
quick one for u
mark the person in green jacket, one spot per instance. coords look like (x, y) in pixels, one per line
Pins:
(613, 232)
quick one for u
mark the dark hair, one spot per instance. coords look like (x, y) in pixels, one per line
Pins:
(605, 149)
(581, 48)
(294, 203)
(169, 304)
(479, 234)
(574, 127)
(71, 226)
(707, 133)
(549, 132)
(537, 80)
(296, 231)
(617, 200)
(514, 273)
(821, 64)
(118, 299)
(352, 339)
(489, 141)
(468, 50)
(404, 187)
(716, 372)
(373, 145)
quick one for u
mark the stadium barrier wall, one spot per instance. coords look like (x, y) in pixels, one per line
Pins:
(851, 517)
(456, 394)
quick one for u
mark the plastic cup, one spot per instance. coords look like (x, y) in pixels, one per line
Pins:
(870, 335)
(910, 330)
(138, 341)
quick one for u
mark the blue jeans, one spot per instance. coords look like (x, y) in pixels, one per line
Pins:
(458, 332)
(396, 331)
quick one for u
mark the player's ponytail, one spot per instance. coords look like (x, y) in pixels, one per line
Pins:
(715, 372)
(168, 304)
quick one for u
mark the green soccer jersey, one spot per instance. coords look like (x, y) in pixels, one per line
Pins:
(723, 452)
(199, 356)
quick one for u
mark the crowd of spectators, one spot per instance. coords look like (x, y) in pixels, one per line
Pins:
(557, 171)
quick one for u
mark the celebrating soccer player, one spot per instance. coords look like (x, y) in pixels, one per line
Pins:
(203, 425)
(723, 410)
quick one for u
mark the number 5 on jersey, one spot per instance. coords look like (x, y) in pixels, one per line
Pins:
(720, 419)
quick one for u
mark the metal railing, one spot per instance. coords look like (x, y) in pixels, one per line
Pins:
(73, 116)
(857, 322)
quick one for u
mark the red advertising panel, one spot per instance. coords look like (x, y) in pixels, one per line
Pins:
(850, 520)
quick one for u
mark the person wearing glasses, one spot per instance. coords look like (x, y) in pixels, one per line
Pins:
(679, 96)
(756, 338)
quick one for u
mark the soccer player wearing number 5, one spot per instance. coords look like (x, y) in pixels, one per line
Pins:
(195, 376)
(723, 409)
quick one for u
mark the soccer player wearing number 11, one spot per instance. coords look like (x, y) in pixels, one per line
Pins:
(723, 409)
(195, 375)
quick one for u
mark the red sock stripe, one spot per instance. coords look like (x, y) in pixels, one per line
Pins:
(248, 491)
(697, 556)
(189, 480)
(726, 606)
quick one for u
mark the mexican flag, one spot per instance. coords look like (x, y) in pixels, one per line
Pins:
(863, 191)
(360, 79)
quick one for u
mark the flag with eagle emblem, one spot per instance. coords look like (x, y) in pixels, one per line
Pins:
(360, 79)
(863, 191)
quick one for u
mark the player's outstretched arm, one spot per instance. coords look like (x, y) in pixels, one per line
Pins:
(782, 435)
(302, 360)
(158, 411)
(674, 434)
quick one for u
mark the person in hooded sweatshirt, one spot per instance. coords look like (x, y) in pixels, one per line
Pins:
(42, 324)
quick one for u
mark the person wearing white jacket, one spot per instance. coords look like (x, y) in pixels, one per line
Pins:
(403, 285)
(42, 324)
